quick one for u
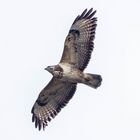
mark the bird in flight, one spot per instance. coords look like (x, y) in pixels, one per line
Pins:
(68, 72)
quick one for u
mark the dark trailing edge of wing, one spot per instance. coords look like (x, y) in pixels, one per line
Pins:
(61, 105)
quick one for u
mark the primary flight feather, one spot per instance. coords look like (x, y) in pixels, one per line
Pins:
(78, 47)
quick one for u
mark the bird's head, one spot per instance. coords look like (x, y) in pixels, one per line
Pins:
(55, 70)
(50, 69)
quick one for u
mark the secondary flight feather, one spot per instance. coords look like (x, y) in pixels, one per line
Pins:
(68, 72)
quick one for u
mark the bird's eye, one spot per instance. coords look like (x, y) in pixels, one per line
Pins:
(51, 67)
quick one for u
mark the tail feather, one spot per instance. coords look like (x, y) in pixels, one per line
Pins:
(92, 80)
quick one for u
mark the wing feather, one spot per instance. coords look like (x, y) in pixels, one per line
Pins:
(50, 101)
(79, 41)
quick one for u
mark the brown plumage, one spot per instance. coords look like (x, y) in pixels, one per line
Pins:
(76, 55)
(79, 42)
(50, 101)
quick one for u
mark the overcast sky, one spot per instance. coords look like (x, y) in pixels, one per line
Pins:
(32, 34)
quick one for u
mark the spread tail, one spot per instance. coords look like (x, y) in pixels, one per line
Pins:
(92, 80)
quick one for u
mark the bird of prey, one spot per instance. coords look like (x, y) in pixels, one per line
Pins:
(68, 72)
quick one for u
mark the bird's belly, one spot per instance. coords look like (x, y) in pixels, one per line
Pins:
(72, 77)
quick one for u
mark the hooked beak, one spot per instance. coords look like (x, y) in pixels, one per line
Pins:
(49, 68)
(46, 68)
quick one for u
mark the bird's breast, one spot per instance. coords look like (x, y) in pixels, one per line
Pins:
(71, 74)
(67, 68)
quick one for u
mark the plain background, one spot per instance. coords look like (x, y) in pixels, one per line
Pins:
(32, 34)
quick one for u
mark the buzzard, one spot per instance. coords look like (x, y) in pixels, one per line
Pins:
(68, 72)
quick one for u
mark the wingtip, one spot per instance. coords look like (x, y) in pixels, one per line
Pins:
(33, 118)
(88, 13)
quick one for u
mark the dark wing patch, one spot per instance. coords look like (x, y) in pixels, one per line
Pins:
(50, 101)
(79, 42)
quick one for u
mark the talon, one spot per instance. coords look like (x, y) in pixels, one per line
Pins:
(58, 74)
(61, 74)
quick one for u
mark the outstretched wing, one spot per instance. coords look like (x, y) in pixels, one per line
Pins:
(50, 101)
(79, 41)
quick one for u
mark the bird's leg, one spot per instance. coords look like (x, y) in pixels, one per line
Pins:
(58, 74)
